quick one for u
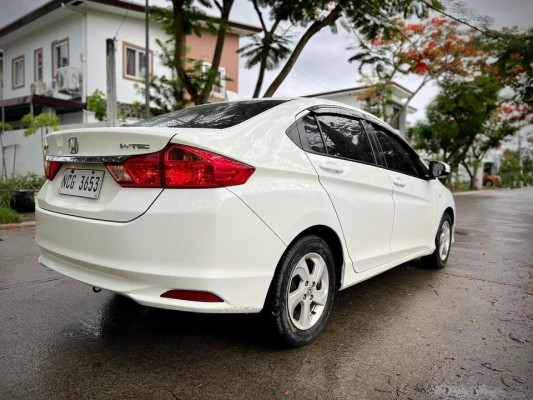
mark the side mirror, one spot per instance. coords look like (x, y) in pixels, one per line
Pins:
(438, 169)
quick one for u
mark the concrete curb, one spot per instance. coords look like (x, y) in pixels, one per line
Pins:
(30, 224)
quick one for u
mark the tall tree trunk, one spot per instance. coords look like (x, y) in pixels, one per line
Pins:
(455, 161)
(224, 17)
(179, 50)
(474, 184)
(198, 97)
(311, 31)
(470, 174)
(260, 77)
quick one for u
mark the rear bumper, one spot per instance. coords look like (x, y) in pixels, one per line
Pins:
(206, 240)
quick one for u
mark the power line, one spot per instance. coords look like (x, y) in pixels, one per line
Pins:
(123, 19)
(313, 79)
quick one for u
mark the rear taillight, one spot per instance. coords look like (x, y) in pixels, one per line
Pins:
(179, 166)
(141, 171)
(51, 169)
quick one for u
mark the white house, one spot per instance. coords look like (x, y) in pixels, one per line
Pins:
(53, 58)
(399, 95)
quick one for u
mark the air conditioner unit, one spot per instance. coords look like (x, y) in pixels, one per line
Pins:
(38, 88)
(67, 78)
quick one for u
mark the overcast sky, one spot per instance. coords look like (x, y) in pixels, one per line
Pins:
(323, 64)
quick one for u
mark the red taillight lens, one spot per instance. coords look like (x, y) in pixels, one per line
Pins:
(139, 171)
(180, 166)
(190, 167)
(51, 168)
(192, 295)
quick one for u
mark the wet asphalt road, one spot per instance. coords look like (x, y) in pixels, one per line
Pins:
(464, 332)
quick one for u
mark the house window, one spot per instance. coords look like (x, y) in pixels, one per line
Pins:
(38, 65)
(60, 55)
(134, 62)
(219, 87)
(17, 72)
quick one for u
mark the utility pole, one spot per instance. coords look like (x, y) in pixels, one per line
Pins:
(111, 83)
(4, 168)
(147, 61)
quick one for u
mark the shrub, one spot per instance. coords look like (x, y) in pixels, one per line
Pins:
(8, 216)
(30, 181)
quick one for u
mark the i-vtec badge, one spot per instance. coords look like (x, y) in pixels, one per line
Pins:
(140, 146)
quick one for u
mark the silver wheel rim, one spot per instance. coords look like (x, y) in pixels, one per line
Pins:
(444, 240)
(308, 291)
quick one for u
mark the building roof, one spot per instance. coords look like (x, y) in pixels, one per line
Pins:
(241, 29)
(401, 88)
(357, 89)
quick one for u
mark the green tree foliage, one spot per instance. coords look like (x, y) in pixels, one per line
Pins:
(510, 170)
(514, 61)
(186, 18)
(433, 49)
(370, 18)
(271, 47)
(43, 121)
(4, 126)
(457, 116)
(527, 170)
(97, 104)
(168, 93)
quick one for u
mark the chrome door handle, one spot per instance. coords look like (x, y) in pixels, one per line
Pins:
(331, 167)
(398, 182)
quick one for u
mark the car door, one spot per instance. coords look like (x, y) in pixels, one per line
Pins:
(361, 192)
(413, 194)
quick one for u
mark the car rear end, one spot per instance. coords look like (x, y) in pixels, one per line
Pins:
(140, 212)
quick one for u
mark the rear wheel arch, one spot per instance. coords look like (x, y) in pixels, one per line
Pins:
(332, 240)
(300, 296)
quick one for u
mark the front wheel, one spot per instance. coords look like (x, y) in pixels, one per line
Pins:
(443, 243)
(301, 294)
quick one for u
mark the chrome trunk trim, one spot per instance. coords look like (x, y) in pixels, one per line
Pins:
(87, 160)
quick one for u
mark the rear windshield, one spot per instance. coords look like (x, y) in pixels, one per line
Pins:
(214, 115)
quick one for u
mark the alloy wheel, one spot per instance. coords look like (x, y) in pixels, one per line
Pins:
(308, 291)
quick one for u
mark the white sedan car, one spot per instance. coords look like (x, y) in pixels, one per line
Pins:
(240, 207)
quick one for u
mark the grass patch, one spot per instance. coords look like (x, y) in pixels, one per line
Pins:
(8, 216)
(30, 181)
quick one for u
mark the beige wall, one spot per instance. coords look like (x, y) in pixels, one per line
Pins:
(203, 47)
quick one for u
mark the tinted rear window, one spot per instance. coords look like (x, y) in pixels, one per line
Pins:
(214, 115)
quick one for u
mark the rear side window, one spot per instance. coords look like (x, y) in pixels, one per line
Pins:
(312, 134)
(214, 115)
(398, 155)
(346, 137)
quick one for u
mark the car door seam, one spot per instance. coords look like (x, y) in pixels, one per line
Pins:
(334, 209)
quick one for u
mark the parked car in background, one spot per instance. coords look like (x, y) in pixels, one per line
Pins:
(492, 180)
(240, 207)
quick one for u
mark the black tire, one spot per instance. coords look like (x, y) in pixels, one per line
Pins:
(439, 258)
(292, 326)
(489, 184)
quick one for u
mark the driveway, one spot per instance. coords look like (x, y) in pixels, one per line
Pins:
(459, 333)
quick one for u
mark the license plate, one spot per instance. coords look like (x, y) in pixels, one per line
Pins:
(82, 183)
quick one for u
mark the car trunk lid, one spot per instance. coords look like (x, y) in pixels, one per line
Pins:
(82, 154)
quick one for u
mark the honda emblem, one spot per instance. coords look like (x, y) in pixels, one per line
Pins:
(73, 145)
